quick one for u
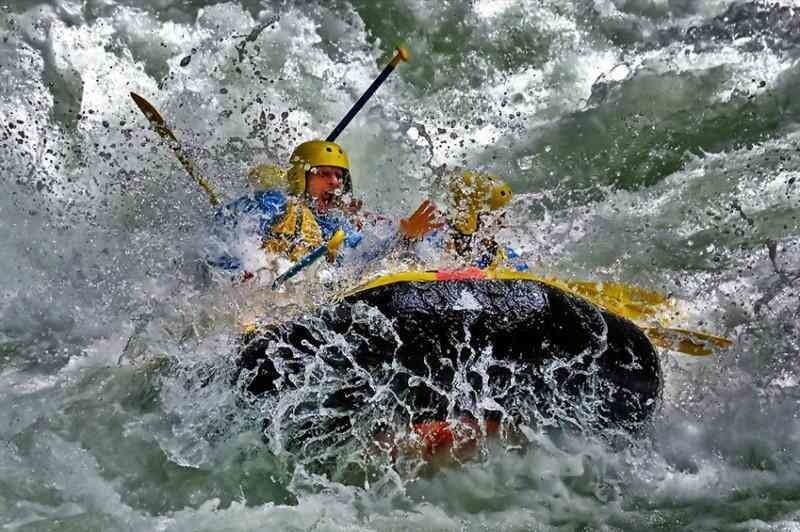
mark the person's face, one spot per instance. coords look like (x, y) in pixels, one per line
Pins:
(322, 182)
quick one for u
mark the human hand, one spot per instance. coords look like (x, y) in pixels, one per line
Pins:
(421, 222)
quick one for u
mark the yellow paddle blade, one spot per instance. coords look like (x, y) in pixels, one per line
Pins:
(638, 304)
(627, 301)
(693, 343)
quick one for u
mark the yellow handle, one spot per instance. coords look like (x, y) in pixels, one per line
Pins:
(401, 55)
(334, 244)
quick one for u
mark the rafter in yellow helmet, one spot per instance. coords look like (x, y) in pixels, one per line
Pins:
(473, 193)
(315, 153)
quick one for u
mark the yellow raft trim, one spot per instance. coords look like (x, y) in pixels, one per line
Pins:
(630, 302)
(639, 305)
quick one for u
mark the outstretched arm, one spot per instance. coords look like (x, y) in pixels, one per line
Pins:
(421, 222)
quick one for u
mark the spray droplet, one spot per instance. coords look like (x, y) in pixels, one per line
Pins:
(525, 163)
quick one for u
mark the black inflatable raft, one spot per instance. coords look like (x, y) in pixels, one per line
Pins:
(432, 345)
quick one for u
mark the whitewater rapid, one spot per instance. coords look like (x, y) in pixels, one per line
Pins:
(653, 143)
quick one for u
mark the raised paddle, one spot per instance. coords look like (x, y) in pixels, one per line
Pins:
(160, 125)
(401, 55)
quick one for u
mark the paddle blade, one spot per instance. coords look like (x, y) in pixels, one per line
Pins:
(155, 118)
(148, 110)
(693, 343)
(627, 301)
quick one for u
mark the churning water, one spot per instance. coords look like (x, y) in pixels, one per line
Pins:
(653, 142)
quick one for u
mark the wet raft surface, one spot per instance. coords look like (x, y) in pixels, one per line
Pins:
(518, 349)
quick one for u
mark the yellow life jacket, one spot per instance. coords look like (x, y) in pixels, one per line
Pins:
(296, 234)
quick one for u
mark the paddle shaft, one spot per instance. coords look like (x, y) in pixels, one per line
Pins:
(299, 265)
(160, 127)
(401, 55)
(190, 168)
(331, 246)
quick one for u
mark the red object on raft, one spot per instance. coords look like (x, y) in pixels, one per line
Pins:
(442, 440)
(462, 274)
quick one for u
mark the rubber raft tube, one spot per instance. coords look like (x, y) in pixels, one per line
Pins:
(533, 350)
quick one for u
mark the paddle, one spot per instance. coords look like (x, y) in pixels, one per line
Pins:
(693, 343)
(638, 305)
(330, 247)
(160, 127)
(628, 301)
(401, 55)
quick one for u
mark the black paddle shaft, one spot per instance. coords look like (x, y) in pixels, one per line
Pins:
(401, 54)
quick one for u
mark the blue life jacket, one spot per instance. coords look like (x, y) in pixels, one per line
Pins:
(264, 211)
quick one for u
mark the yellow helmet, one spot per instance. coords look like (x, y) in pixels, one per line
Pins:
(473, 193)
(316, 153)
